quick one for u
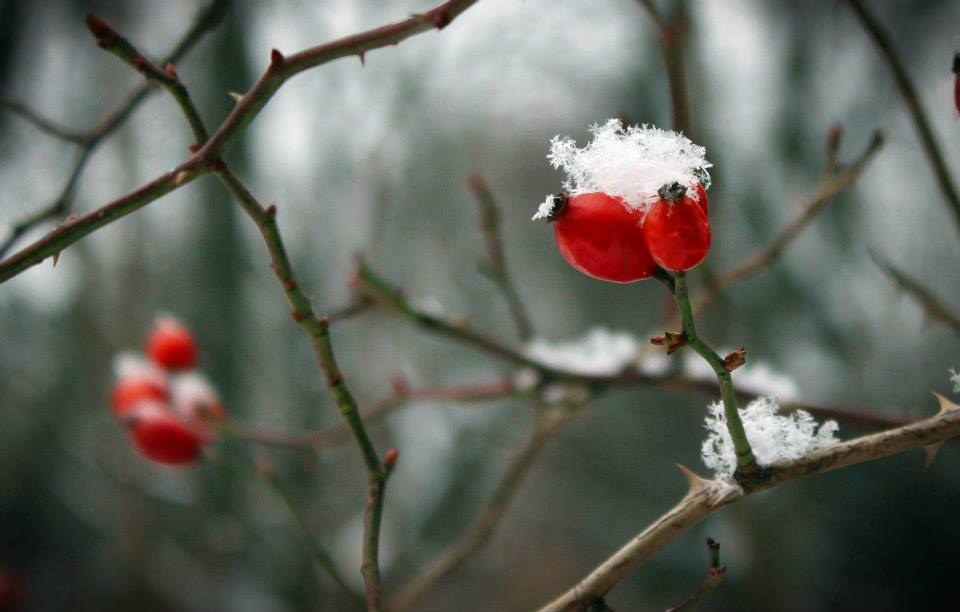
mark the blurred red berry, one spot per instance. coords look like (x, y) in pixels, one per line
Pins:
(162, 437)
(676, 229)
(171, 345)
(601, 236)
(128, 392)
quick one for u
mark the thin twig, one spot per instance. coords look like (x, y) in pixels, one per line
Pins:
(672, 33)
(316, 328)
(909, 93)
(479, 532)
(829, 188)
(89, 140)
(497, 268)
(933, 307)
(706, 496)
(391, 296)
(746, 463)
(279, 71)
(336, 435)
(320, 554)
(715, 575)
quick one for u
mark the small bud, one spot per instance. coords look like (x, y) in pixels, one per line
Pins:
(272, 210)
(440, 19)
(180, 178)
(671, 340)
(390, 459)
(236, 96)
(276, 59)
(99, 28)
(735, 359)
(172, 72)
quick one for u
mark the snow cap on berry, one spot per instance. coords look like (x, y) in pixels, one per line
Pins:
(130, 365)
(195, 398)
(628, 162)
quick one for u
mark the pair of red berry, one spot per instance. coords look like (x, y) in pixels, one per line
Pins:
(603, 237)
(168, 408)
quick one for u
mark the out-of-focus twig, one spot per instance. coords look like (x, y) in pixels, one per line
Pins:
(933, 307)
(705, 496)
(88, 140)
(280, 69)
(321, 556)
(672, 33)
(715, 575)
(909, 93)
(549, 419)
(496, 267)
(829, 187)
(476, 392)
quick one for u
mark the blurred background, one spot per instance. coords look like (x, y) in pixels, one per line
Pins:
(374, 160)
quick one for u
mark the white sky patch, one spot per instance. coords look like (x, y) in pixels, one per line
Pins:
(600, 352)
(757, 377)
(630, 162)
(955, 379)
(774, 437)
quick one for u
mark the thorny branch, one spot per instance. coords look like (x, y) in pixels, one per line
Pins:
(706, 496)
(202, 162)
(88, 140)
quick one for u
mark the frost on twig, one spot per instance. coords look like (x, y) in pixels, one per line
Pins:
(955, 379)
(774, 437)
(629, 162)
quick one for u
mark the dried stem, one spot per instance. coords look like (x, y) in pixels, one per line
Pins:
(320, 554)
(279, 71)
(89, 140)
(933, 307)
(549, 419)
(715, 575)
(909, 93)
(746, 463)
(672, 33)
(497, 268)
(706, 496)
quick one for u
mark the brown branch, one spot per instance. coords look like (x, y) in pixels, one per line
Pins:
(706, 496)
(479, 532)
(715, 575)
(829, 188)
(482, 391)
(933, 307)
(497, 268)
(89, 140)
(672, 33)
(280, 69)
(909, 93)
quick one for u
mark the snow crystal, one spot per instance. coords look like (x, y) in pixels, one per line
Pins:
(629, 162)
(955, 379)
(773, 437)
(545, 211)
(598, 352)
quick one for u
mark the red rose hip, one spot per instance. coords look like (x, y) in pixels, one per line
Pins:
(160, 436)
(676, 229)
(128, 392)
(601, 236)
(171, 345)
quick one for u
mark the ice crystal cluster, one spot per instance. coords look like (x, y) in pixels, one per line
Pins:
(599, 352)
(773, 436)
(955, 379)
(629, 162)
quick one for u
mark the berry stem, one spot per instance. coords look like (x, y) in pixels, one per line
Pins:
(746, 462)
